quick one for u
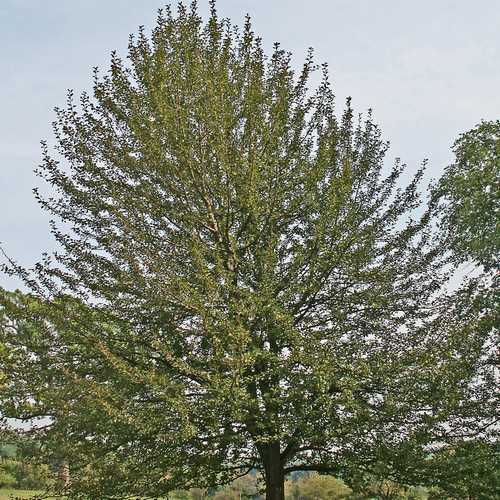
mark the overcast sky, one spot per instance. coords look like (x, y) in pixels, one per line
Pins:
(430, 69)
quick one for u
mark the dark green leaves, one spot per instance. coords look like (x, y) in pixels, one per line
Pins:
(241, 284)
(470, 195)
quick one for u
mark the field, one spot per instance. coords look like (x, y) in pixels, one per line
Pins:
(12, 494)
(9, 494)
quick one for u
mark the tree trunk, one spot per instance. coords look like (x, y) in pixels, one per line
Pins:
(275, 478)
(63, 474)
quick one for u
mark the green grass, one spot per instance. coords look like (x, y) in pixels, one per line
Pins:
(9, 493)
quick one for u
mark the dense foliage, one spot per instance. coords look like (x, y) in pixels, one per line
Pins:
(241, 283)
(470, 195)
(19, 470)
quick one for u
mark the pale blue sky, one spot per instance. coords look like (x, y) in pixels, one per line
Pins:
(429, 69)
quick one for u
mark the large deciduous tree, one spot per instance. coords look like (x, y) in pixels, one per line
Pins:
(241, 284)
(470, 196)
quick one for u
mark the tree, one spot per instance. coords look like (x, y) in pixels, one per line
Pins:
(245, 487)
(469, 470)
(7, 451)
(198, 494)
(6, 478)
(316, 487)
(470, 195)
(379, 488)
(241, 285)
(18, 470)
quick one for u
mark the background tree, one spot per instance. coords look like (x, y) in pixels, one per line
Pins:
(470, 195)
(199, 494)
(245, 487)
(316, 487)
(469, 470)
(19, 467)
(241, 285)
(7, 479)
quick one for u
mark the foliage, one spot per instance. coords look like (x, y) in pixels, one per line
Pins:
(316, 487)
(6, 478)
(18, 458)
(241, 285)
(469, 470)
(16, 494)
(7, 450)
(23, 474)
(247, 486)
(470, 195)
(198, 493)
(382, 489)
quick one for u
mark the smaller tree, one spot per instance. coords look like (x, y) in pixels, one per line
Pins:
(470, 198)
(470, 470)
(6, 479)
(7, 451)
(245, 487)
(367, 486)
(199, 493)
(317, 487)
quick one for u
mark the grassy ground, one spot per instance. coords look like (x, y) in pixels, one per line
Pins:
(8, 493)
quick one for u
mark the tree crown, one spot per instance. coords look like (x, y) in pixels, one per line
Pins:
(241, 284)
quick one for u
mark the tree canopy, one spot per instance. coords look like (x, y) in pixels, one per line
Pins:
(470, 195)
(242, 284)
